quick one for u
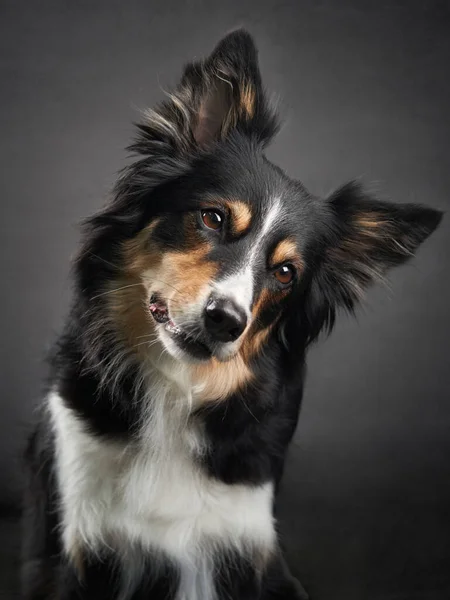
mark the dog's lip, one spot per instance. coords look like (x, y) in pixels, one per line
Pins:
(160, 313)
(158, 309)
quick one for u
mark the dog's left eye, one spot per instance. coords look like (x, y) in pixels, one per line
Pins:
(212, 219)
(285, 274)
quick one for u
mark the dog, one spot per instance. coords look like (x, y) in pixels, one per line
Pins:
(176, 384)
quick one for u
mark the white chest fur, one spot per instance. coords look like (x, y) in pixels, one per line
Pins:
(152, 493)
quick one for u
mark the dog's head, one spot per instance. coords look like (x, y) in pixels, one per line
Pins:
(212, 248)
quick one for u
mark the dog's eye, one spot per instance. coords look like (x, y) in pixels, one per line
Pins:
(212, 219)
(285, 274)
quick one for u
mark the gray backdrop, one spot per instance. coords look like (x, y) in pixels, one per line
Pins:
(365, 88)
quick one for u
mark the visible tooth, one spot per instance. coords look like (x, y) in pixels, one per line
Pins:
(170, 326)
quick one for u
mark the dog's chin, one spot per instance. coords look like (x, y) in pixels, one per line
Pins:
(182, 347)
(187, 350)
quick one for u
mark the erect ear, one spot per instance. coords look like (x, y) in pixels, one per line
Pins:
(216, 96)
(366, 238)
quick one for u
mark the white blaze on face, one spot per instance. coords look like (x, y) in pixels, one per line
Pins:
(239, 285)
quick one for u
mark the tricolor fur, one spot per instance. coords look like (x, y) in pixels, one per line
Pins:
(177, 382)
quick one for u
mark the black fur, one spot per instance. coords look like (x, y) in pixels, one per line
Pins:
(249, 432)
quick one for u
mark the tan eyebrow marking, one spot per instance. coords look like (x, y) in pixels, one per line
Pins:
(187, 271)
(286, 251)
(241, 215)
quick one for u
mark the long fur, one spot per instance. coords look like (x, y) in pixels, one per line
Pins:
(154, 466)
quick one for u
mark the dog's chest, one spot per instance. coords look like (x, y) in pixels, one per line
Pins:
(168, 503)
(157, 497)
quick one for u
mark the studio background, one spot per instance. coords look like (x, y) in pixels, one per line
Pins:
(365, 90)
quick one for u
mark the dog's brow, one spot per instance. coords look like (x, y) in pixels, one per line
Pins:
(241, 215)
(269, 220)
(285, 250)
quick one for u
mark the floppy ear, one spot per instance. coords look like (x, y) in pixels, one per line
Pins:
(365, 239)
(216, 96)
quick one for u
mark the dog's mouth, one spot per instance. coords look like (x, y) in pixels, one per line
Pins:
(186, 342)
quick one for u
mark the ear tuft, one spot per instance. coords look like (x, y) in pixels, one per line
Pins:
(382, 233)
(216, 96)
(365, 238)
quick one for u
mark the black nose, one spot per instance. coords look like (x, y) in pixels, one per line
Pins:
(224, 321)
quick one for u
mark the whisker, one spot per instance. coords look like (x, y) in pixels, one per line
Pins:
(103, 260)
(147, 335)
(148, 343)
(169, 284)
(115, 290)
(248, 409)
(138, 284)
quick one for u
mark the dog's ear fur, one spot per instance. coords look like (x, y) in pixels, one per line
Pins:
(216, 95)
(365, 237)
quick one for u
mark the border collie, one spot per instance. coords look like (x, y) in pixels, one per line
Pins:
(176, 384)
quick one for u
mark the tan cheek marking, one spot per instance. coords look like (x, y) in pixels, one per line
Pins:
(287, 251)
(218, 380)
(127, 298)
(128, 308)
(186, 274)
(179, 276)
(254, 343)
(256, 338)
(265, 299)
(241, 215)
(141, 253)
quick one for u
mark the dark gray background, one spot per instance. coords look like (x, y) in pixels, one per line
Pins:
(365, 88)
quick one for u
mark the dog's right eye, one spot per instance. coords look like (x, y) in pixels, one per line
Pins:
(212, 219)
(285, 274)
